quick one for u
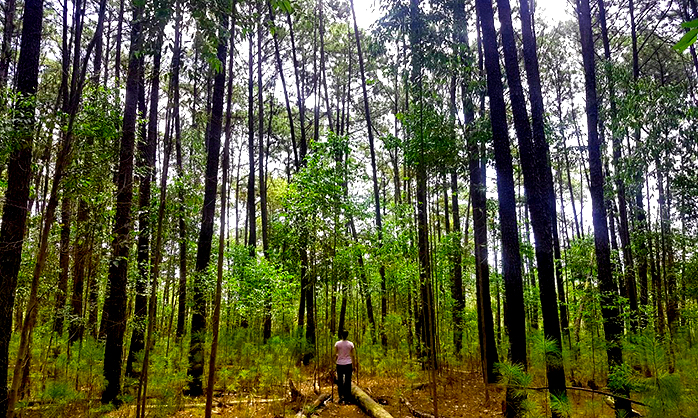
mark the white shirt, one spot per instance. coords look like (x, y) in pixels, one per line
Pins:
(344, 348)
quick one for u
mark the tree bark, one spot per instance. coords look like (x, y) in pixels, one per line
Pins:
(182, 226)
(376, 197)
(6, 49)
(82, 253)
(266, 332)
(537, 180)
(367, 404)
(640, 215)
(64, 265)
(14, 215)
(623, 227)
(511, 258)
(221, 235)
(612, 321)
(279, 64)
(145, 163)
(115, 305)
(203, 254)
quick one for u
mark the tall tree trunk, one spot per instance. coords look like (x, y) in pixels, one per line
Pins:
(22, 366)
(224, 200)
(511, 258)
(97, 61)
(279, 64)
(323, 72)
(425, 276)
(302, 152)
(266, 332)
(537, 180)
(623, 227)
(478, 188)
(640, 215)
(143, 172)
(82, 254)
(182, 225)
(64, 265)
(6, 49)
(203, 254)
(667, 246)
(251, 216)
(115, 306)
(117, 53)
(14, 213)
(147, 150)
(91, 260)
(612, 324)
(376, 197)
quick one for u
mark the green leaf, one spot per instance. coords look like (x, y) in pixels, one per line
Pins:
(690, 25)
(284, 5)
(687, 40)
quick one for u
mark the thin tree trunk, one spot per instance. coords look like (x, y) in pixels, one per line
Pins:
(145, 165)
(82, 254)
(376, 197)
(639, 206)
(6, 49)
(303, 150)
(280, 67)
(64, 265)
(323, 73)
(251, 216)
(266, 333)
(182, 225)
(91, 261)
(623, 227)
(667, 243)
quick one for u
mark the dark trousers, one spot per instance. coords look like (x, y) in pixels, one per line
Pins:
(344, 381)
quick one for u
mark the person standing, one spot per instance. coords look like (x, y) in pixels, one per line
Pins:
(344, 351)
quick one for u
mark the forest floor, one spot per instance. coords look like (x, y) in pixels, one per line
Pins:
(459, 394)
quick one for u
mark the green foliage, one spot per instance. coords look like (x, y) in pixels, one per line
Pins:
(668, 397)
(431, 140)
(517, 381)
(689, 38)
(620, 379)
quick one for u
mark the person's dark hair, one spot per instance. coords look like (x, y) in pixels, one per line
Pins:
(343, 334)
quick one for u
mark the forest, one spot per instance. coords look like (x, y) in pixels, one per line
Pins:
(197, 197)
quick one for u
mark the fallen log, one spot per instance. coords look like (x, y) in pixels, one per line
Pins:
(419, 386)
(367, 404)
(612, 403)
(314, 407)
(413, 411)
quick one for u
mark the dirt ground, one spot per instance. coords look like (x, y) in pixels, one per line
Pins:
(459, 394)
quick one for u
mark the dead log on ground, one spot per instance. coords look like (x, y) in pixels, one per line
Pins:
(369, 406)
(413, 411)
(419, 386)
(315, 407)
